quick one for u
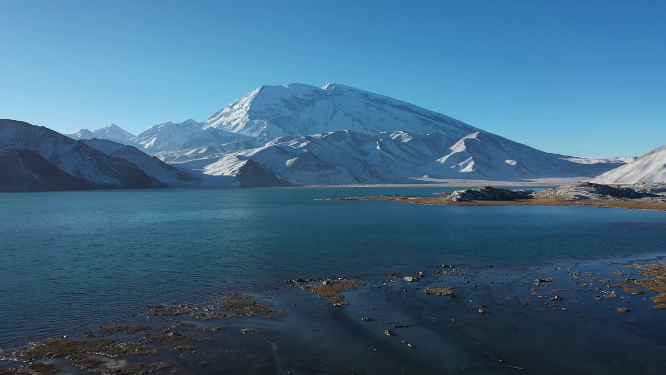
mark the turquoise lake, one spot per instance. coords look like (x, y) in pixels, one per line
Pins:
(71, 260)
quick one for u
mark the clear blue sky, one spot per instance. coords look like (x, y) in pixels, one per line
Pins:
(585, 78)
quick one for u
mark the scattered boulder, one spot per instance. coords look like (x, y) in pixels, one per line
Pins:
(450, 291)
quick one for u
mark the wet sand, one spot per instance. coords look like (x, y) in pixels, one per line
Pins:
(588, 318)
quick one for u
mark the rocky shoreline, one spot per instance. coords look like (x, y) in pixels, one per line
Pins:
(640, 196)
(561, 318)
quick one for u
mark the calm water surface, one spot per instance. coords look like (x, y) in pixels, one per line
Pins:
(75, 259)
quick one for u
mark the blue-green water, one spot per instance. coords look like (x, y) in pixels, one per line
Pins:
(72, 259)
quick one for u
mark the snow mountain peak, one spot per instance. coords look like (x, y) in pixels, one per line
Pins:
(111, 132)
(297, 109)
(338, 134)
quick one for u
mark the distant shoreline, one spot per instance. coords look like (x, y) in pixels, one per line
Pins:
(442, 201)
(465, 183)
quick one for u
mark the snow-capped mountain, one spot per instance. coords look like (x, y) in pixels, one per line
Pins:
(269, 112)
(301, 134)
(650, 167)
(296, 109)
(341, 135)
(90, 166)
(111, 132)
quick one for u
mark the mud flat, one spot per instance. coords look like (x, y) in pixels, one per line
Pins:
(591, 318)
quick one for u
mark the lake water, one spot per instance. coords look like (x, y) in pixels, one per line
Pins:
(71, 260)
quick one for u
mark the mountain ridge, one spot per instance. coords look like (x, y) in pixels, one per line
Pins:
(73, 157)
(297, 134)
(298, 109)
(111, 132)
(291, 128)
(650, 167)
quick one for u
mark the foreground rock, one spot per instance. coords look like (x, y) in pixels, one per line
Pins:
(330, 290)
(450, 291)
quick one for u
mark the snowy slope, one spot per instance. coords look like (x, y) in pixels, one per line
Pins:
(650, 167)
(346, 157)
(166, 136)
(342, 135)
(485, 156)
(111, 132)
(25, 170)
(185, 135)
(240, 173)
(296, 109)
(73, 157)
(301, 134)
(151, 165)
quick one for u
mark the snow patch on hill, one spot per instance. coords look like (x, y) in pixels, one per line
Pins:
(650, 167)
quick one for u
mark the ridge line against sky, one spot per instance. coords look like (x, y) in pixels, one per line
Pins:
(578, 78)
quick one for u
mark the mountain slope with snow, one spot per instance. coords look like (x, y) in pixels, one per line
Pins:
(485, 156)
(338, 134)
(185, 135)
(75, 158)
(342, 135)
(296, 109)
(151, 165)
(111, 132)
(650, 167)
(346, 157)
(25, 170)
